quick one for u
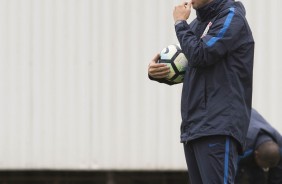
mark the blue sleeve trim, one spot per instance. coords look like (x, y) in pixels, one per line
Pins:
(227, 23)
(246, 154)
(226, 160)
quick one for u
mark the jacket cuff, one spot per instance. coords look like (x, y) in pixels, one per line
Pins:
(181, 25)
(162, 81)
(178, 22)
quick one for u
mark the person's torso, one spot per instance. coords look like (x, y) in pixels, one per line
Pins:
(212, 95)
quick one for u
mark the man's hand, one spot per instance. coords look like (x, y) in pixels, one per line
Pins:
(158, 70)
(182, 11)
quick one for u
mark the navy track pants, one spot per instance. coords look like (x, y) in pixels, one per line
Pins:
(211, 160)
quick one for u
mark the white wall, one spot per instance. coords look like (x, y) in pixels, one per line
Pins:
(74, 90)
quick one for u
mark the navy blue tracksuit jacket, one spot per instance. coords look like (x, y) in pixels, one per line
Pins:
(217, 88)
(258, 126)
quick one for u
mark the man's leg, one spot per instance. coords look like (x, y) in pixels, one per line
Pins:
(216, 158)
(193, 170)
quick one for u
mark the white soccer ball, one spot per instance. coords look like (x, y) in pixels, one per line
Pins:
(173, 56)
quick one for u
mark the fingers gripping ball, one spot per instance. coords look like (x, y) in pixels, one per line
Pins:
(173, 56)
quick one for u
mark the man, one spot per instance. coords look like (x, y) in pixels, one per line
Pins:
(261, 163)
(217, 88)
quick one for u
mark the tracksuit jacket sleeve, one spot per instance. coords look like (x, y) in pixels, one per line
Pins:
(162, 81)
(225, 33)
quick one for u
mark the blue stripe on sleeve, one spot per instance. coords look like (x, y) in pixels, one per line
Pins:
(246, 154)
(227, 23)
(226, 160)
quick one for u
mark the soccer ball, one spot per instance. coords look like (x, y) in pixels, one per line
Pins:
(173, 56)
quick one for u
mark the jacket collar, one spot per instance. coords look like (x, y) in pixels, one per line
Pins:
(210, 10)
